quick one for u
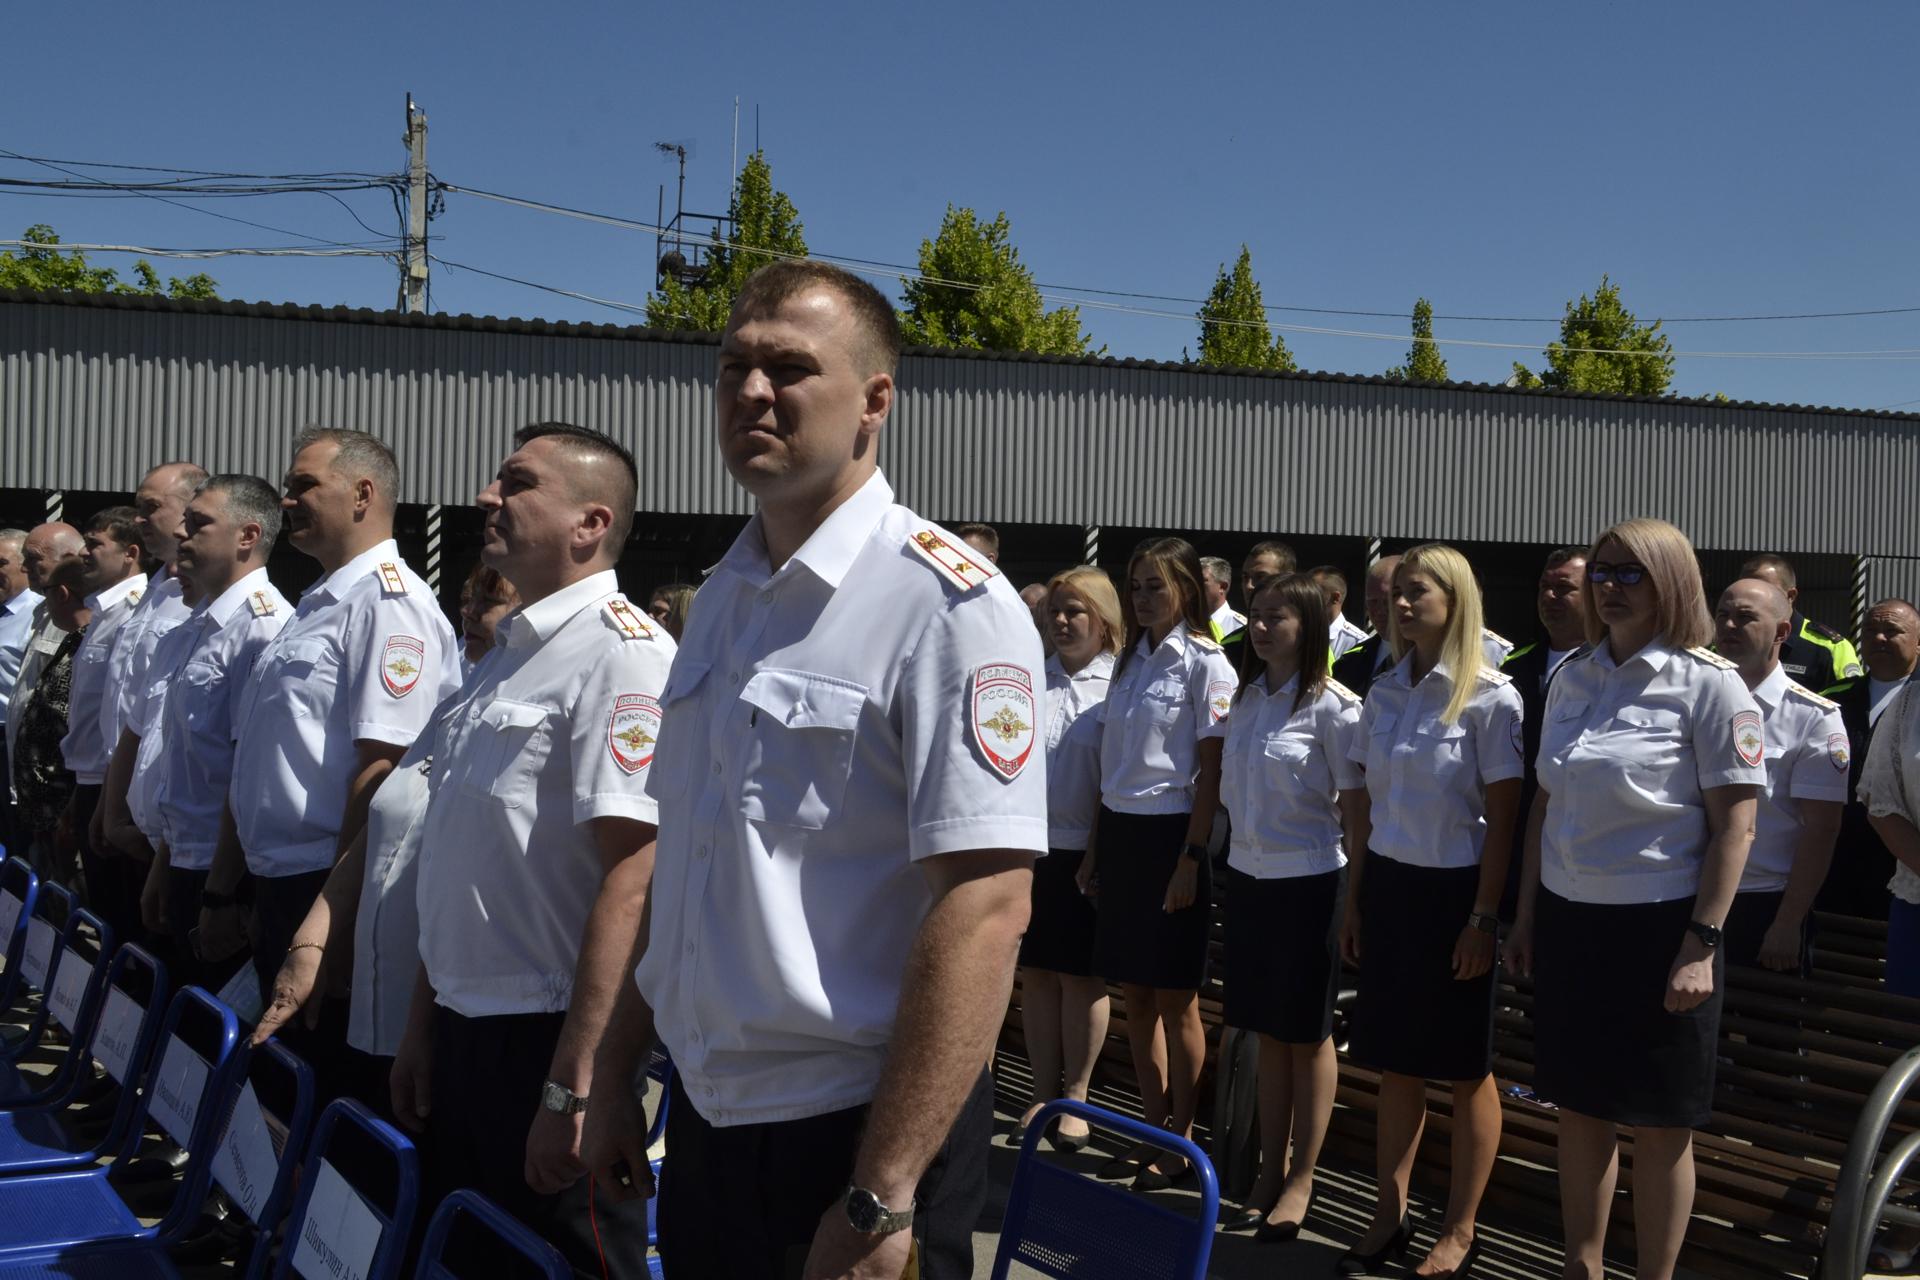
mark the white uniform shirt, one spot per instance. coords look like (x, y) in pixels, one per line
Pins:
(828, 724)
(386, 928)
(161, 609)
(1226, 621)
(1806, 760)
(1625, 752)
(150, 763)
(1880, 696)
(1282, 776)
(1158, 710)
(1343, 635)
(1427, 779)
(198, 725)
(1890, 780)
(84, 749)
(1073, 749)
(555, 728)
(366, 657)
(16, 625)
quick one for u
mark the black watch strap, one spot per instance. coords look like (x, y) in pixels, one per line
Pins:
(1197, 852)
(1708, 934)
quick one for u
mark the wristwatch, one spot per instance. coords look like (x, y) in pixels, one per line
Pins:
(1484, 921)
(1197, 852)
(1708, 934)
(870, 1217)
(561, 1100)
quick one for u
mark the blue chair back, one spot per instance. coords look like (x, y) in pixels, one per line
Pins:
(73, 991)
(1064, 1224)
(19, 890)
(48, 931)
(359, 1187)
(189, 1074)
(473, 1212)
(264, 1127)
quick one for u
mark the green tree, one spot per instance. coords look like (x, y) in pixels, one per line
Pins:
(1424, 361)
(1604, 347)
(41, 265)
(973, 292)
(762, 219)
(1233, 322)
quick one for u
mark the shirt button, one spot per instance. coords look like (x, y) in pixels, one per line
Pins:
(689, 948)
(716, 766)
(735, 677)
(707, 1089)
(701, 852)
(766, 597)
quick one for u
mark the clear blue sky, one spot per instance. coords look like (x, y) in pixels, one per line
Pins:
(1497, 158)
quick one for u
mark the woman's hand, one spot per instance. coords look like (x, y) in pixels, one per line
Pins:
(1472, 954)
(1690, 981)
(1181, 886)
(1517, 954)
(1088, 876)
(1350, 936)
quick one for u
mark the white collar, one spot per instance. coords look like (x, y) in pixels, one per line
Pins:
(335, 584)
(535, 623)
(829, 551)
(107, 597)
(222, 607)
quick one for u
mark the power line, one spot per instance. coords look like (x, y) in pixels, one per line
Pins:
(259, 251)
(196, 173)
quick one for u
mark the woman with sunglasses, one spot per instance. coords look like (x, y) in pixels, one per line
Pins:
(1440, 738)
(1650, 765)
(1161, 731)
(1297, 801)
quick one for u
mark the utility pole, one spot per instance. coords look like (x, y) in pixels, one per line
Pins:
(413, 272)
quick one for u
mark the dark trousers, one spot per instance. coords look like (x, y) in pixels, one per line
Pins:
(1748, 920)
(113, 892)
(280, 906)
(743, 1203)
(486, 1079)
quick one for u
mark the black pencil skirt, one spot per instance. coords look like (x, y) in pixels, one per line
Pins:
(1283, 954)
(1603, 1042)
(1060, 931)
(1138, 941)
(1413, 1017)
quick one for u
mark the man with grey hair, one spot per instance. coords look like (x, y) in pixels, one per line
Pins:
(17, 603)
(1357, 667)
(1217, 578)
(334, 701)
(1806, 789)
(41, 551)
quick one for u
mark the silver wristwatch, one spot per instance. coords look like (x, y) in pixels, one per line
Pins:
(561, 1100)
(870, 1217)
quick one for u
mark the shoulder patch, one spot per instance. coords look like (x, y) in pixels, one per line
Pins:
(1488, 633)
(1822, 630)
(133, 597)
(1002, 714)
(392, 581)
(1341, 691)
(262, 605)
(1713, 659)
(1206, 644)
(1805, 694)
(960, 570)
(1494, 676)
(627, 620)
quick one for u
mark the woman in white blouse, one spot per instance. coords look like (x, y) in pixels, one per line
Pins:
(1063, 1002)
(1297, 801)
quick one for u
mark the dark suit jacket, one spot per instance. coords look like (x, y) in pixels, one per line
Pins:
(1857, 882)
(1354, 668)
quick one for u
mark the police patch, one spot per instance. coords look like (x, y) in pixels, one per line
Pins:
(1220, 699)
(401, 663)
(1837, 752)
(1519, 732)
(1002, 714)
(1746, 737)
(632, 730)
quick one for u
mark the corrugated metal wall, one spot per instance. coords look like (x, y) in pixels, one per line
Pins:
(90, 395)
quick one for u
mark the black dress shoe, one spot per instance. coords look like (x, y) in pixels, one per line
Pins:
(1151, 1179)
(1245, 1218)
(1125, 1166)
(1281, 1232)
(1355, 1263)
(1466, 1264)
(1068, 1142)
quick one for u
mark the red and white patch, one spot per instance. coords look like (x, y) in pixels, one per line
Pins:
(632, 730)
(1220, 699)
(401, 663)
(1002, 715)
(1746, 737)
(1838, 753)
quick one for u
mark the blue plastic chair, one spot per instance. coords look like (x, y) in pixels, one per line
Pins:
(46, 932)
(19, 890)
(281, 1087)
(660, 1067)
(72, 1000)
(483, 1215)
(190, 1075)
(1063, 1224)
(359, 1187)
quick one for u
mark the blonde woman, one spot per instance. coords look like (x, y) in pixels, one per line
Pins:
(1063, 1002)
(1440, 739)
(1651, 763)
(1161, 730)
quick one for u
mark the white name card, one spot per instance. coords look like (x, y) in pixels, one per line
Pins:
(245, 1164)
(177, 1087)
(118, 1034)
(69, 987)
(340, 1234)
(9, 919)
(242, 995)
(38, 957)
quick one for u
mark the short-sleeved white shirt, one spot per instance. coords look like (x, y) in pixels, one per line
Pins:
(1162, 704)
(161, 609)
(231, 632)
(151, 762)
(554, 728)
(366, 657)
(1343, 635)
(1807, 758)
(1427, 779)
(828, 724)
(1626, 751)
(1073, 749)
(1281, 777)
(386, 928)
(84, 748)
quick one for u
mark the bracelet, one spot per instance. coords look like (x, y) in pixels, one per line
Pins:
(306, 946)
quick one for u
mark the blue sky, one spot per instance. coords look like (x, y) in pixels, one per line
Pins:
(1716, 159)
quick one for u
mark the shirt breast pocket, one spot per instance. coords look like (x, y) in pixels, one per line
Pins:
(801, 730)
(1163, 701)
(673, 762)
(1290, 758)
(509, 744)
(306, 677)
(1435, 739)
(1649, 740)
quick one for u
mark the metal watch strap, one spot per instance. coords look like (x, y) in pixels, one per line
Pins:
(869, 1216)
(560, 1100)
(1485, 921)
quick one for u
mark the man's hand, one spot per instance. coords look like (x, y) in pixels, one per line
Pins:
(1181, 886)
(1517, 954)
(1780, 949)
(302, 974)
(841, 1253)
(553, 1152)
(222, 932)
(410, 1082)
(153, 899)
(615, 1132)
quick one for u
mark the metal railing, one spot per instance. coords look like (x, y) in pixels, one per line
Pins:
(1866, 1182)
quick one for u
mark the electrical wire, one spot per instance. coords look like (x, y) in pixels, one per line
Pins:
(260, 251)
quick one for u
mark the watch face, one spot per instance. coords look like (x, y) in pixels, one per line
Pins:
(864, 1210)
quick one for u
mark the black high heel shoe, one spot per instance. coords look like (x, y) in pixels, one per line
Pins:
(1354, 1263)
(1151, 1179)
(1068, 1142)
(1466, 1264)
(1281, 1232)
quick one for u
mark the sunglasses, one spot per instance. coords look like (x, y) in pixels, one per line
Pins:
(1628, 573)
